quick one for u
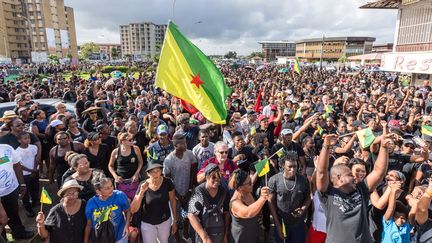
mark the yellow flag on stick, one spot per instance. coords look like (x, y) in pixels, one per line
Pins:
(283, 229)
(45, 197)
(280, 152)
(253, 131)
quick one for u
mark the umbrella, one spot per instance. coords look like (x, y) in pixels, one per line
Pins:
(116, 74)
(284, 70)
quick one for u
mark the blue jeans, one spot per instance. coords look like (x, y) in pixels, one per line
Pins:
(296, 234)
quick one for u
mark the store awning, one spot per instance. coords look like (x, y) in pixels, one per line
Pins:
(367, 57)
(382, 4)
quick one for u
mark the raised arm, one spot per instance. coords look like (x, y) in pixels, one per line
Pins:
(239, 209)
(392, 201)
(322, 173)
(380, 202)
(422, 213)
(381, 164)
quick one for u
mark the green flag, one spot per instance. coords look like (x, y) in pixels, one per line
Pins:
(262, 167)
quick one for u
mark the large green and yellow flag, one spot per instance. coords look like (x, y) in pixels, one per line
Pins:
(365, 137)
(186, 72)
(296, 66)
(426, 130)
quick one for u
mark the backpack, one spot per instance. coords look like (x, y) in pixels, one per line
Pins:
(212, 219)
(104, 231)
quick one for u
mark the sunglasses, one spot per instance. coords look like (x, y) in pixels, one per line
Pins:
(93, 113)
(223, 152)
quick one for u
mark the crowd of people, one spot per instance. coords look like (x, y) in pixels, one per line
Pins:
(133, 165)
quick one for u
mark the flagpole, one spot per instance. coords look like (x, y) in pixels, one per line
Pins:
(43, 188)
(266, 181)
(347, 134)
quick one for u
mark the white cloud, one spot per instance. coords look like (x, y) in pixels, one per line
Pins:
(235, 24)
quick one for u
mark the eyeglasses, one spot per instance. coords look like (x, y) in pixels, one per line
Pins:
(223, 152)
(70, 194)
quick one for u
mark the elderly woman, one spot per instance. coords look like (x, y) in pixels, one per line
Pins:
(153, 201)
(66, 221)
(107, 201)
(128, 162)
(85, 176)
(244, 208)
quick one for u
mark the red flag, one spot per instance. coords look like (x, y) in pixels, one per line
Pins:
(258, 102)
(188, 107)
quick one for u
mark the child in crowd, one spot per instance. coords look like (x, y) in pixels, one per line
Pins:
(27, 153)
(397, 220)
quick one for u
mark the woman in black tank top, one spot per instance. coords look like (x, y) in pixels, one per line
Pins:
(126, 163)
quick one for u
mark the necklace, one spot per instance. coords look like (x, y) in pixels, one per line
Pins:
(69, 216)
(295, 183)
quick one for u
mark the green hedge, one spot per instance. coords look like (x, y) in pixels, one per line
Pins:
(109, 69)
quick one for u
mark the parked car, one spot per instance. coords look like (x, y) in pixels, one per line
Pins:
(47, 105)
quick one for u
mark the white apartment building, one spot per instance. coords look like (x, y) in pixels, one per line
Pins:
(141, 40)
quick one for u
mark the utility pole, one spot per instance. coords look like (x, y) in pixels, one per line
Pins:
(322, 50)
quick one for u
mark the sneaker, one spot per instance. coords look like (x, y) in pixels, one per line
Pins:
(23, 235)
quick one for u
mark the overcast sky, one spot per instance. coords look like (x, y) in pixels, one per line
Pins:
(218, 26)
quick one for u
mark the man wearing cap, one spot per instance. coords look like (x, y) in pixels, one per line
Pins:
(20, 102)
(288, 145)
(190, 131)
(181, 166)
(160, 149)
(208, 209)
(288, 119)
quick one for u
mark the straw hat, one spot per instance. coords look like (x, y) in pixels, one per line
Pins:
(68, 185)
(90, 109)
(8, 115)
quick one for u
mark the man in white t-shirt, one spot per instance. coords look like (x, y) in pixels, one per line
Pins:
(10, 180)
(205, 149)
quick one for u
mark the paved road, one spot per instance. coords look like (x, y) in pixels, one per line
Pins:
(30, 223)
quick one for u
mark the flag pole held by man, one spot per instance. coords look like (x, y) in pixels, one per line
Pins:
(186, 72)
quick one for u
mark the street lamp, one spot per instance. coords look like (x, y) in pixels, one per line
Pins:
(30, 33)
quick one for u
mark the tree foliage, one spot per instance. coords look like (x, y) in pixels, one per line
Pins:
(231, 55)
(256, 54)
(114, 53)
(87, 49)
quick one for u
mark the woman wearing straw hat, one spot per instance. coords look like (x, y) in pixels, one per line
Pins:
(66, 221)
(88, 124)
(7, 117)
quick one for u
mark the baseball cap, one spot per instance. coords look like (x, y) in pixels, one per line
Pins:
(210, 168)
(408, 141)
(155, 113)
(55, 123)
(273, 107)
(162, 129)
(394, 124)
(288, 112)
(262, 117)
(92, 136)
(251, 112)
(285, 132)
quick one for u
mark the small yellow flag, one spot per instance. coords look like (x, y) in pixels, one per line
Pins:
(280, 152)
(283, 229)
(253, 130)
(45, 197)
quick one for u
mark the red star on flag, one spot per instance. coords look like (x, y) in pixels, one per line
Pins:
(196, 80)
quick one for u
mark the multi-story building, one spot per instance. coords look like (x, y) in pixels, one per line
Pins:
(382, 48)
(141, 40)
(107, 52)
(14, 42)
(332, 48)
(39, 27)
(274, 49)
(412, 50)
